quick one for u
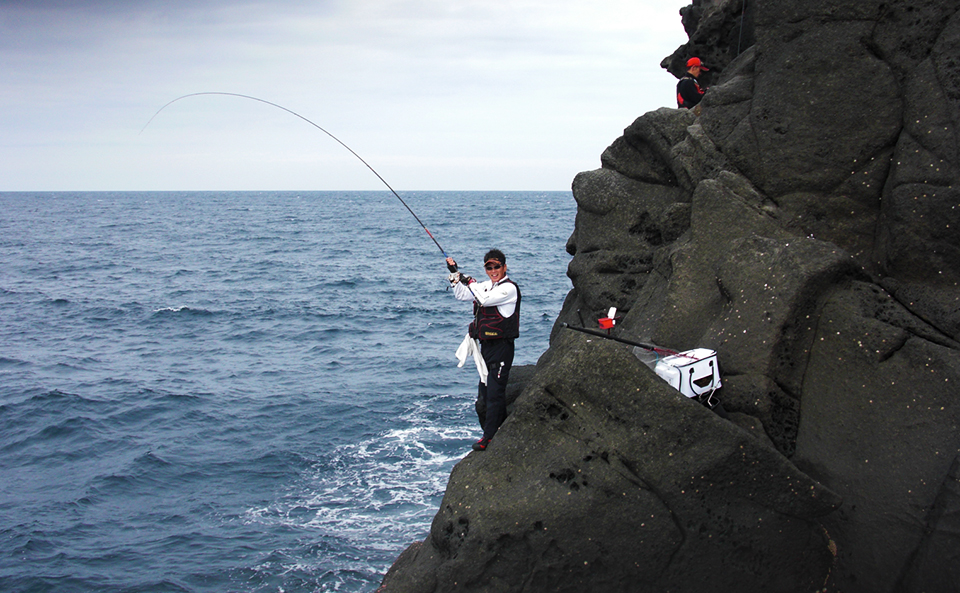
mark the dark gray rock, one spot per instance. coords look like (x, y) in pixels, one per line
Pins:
(879, 416)
(620, 223)
(644, 152)
(803, 225)
(936, 567)
(719, 31)
(804, 133)
(606, 479)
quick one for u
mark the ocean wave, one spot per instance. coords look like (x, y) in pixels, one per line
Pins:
(89, 582)
(390, 483)
(58, 398)
(150, 461)
(349, 283)
(183, 310)
(69, 367)
(9, 363)
(35, 546)
(147, 471)
(150, 408)
(62, 441)
(68, 429)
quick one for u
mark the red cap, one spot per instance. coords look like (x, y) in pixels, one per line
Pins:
(696, 62)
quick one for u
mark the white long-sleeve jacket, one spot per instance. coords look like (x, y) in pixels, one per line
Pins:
(502, 295)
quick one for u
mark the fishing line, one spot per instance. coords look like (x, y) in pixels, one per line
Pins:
(340, 142)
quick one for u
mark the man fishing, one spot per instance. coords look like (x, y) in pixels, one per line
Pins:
(496, 324)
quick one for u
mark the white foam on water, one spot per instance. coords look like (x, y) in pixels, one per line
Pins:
(382, 492)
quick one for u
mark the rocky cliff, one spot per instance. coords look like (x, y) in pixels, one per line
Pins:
(804, 226)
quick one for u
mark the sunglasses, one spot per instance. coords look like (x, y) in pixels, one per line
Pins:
(493, 266)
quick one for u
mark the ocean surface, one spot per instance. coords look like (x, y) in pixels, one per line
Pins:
(243, 391)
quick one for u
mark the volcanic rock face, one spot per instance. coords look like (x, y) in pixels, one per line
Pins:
(805, 227)
(601, 481)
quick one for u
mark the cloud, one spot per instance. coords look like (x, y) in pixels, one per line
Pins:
(464, 95)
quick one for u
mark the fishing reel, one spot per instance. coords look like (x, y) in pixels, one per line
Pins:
(456, 277)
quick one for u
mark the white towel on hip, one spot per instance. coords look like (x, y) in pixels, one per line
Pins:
(471, 347)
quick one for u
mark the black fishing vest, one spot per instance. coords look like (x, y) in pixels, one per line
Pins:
(680, 102)
(489, 324)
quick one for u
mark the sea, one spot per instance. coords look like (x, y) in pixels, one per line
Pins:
(243, 391)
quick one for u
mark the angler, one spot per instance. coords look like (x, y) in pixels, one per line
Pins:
(689, 92)
(496, 324)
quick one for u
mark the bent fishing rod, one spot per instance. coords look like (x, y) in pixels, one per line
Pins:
(451, 267)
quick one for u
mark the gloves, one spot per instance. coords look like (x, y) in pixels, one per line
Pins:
(459, 277)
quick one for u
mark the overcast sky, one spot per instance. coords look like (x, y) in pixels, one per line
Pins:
(433, 94)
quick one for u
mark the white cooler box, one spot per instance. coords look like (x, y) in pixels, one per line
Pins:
(693, 373)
